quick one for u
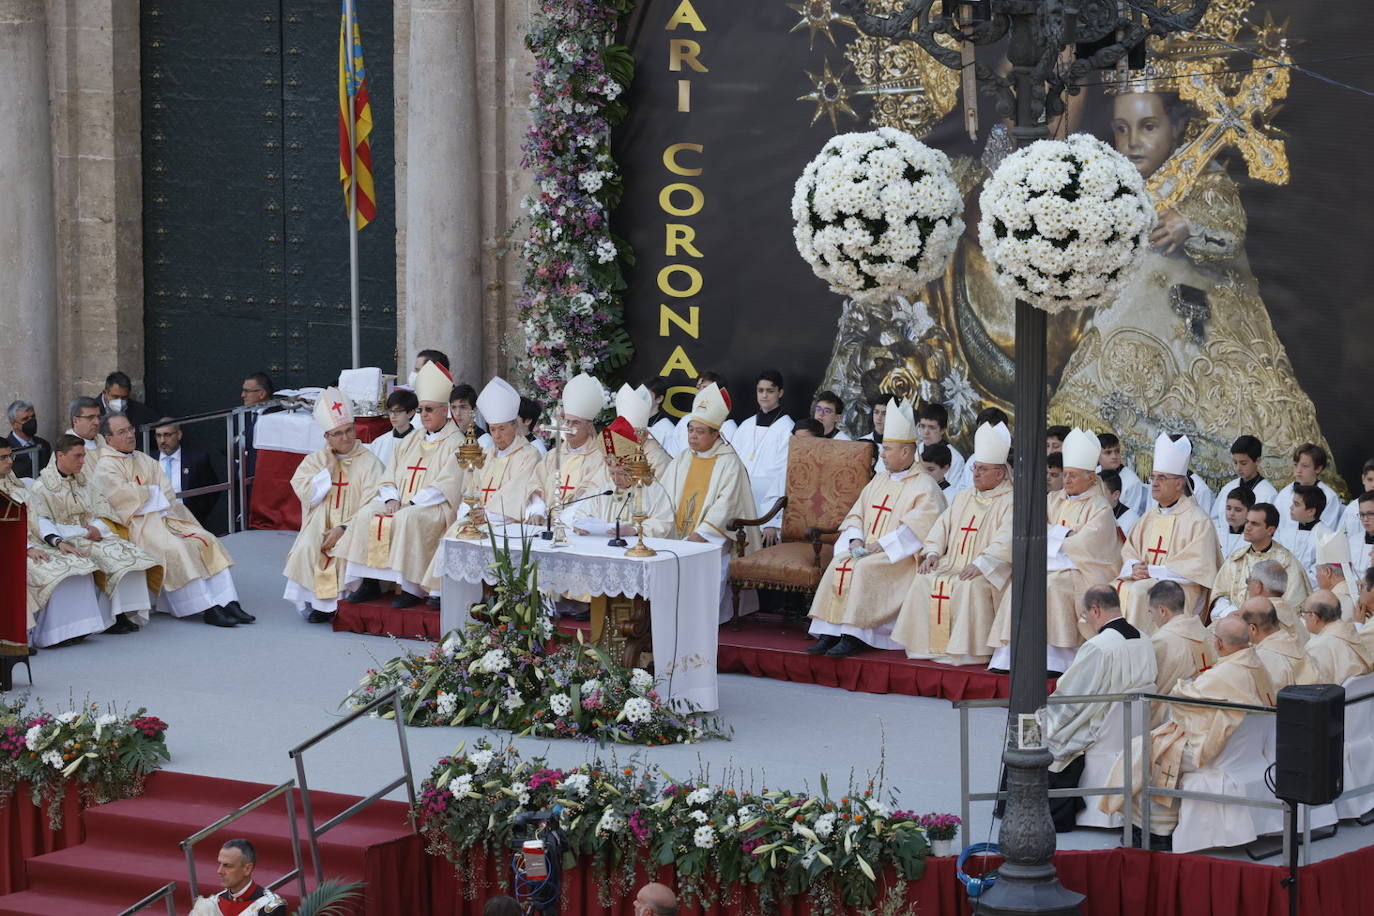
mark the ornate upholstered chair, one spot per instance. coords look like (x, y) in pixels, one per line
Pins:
(824, 478)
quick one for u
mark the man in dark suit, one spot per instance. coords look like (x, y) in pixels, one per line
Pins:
(117, 397)
(23, 434)
(187, 469)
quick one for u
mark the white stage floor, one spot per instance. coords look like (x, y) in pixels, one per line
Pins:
(238, 699)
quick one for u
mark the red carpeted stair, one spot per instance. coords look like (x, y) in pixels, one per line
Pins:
(131, 847)
(379, 618)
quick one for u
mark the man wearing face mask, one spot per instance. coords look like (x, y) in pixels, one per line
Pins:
(23, 434)
(427, 356)
(117, 397)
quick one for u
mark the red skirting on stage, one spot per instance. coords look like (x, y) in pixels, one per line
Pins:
(275, 506)
(25, 832)
(379, 618)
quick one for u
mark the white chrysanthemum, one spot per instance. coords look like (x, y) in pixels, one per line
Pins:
(560, 704)
(638, 709)
(590, 685)
(446, 703)
(877, 214)
(53, 759)
(825, 825)
(641, 681)
(1064, 223)
(578, 784)
(701, 796)
(610, 823)
(704, 837)
(31, 737)
(494, 662)
(513, 700)
(482, 759)
(462, 785)
(68, 717)
(699, 816)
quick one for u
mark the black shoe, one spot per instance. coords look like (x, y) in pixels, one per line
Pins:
(238, 613)
(1158, 842)
(998, 671)
(368, 591)
(847, 646)
(823, 645)
(121, 626)
(319, 617)
(216, 617)
(432, 601)
(405, 600)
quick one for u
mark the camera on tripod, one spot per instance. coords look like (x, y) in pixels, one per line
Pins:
(538, 861)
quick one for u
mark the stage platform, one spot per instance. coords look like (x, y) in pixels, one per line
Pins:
(237, 699)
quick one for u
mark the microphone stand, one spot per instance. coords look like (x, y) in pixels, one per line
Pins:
(619, 541)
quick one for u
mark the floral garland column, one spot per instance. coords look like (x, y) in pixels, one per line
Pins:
(570, 303)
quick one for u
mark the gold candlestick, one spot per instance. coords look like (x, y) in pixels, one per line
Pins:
(470, 456)
(638, 469)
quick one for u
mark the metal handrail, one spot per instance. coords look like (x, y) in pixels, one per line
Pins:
(406, 779)
(188, 844)
(166, 892)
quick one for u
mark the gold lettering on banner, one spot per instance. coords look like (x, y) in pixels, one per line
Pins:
(679, 235)
(684, 95)
(665, 281)
(670, 159)
(684, 51)
(665, 199)
(691, 324)
(685, 14)
(678, 361)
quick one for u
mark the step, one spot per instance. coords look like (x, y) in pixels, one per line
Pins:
(379, 618)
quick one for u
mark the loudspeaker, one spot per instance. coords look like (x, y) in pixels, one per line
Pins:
(1310, 743)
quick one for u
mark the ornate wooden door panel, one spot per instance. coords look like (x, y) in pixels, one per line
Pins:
(245, 240)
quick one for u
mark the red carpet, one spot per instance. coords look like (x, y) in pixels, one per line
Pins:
(131, 849)
(379, 618)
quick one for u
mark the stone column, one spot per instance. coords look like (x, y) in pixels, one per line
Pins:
(28, 234)
(443, 192)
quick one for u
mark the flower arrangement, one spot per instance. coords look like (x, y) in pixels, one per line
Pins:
(877, 214)
(1064, 223)
(510, 670)
(940, 826)
(107, 755)
(570, 305)
(722, 839)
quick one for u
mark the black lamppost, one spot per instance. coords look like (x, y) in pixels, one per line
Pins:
(1036, 32)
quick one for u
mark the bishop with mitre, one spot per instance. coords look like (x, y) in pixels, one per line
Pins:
(332, 484)
(576, 466)
(1175, 541)
(195, 566)
(1083, 550)
(393, 537)
(862, 590)
(965, 564)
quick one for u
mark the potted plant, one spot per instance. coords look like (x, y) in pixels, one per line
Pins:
(941, 829)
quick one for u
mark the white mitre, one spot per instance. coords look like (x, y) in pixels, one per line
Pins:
(433, 383)
(583, 397)
(1172, 457)
(1334, 550)
(333, 409)
(498, 402)
(900, 425)
(710, 407)
(633, 406)
(991, 444)
(1081, 450)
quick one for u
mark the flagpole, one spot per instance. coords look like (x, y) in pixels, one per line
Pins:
(352, 190)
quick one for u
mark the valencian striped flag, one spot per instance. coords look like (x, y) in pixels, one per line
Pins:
(355, 116)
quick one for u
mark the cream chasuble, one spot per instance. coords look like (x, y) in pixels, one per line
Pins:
(1285, 660)
(1228, 589)
(582, 473)
(68, 503)
(171, 536)
(1177, 543)
(1183, 647)
(93, 450)
(1194, 735)
(1106, 663)
(710, 490)
(425, 478)
(331, 489)
(868, 592)
(1337, 653)
(943, 614)
(46, 575)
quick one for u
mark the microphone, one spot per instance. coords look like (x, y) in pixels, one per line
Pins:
(619, 541)
(547, 533)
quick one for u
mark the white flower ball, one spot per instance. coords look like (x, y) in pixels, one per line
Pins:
(578, 784)
(704, 837)
(641, 681)
(482, 759)
(701, 796)
(560, 704)
(638, 709)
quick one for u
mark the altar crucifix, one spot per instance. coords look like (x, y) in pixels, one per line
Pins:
(556, 491)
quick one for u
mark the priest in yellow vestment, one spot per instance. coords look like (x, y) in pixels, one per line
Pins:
(1183, 646)
(965, 564)
(1082, 550)
(1233, 581)
(1176, 540)
(1336, 650)
(195, 566)
(1282, 657)
(332, 485)
(862, 590)
(709, 487)
(393, 537)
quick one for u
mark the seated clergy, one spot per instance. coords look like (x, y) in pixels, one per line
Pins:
(1083, 550)
(965, 564)
(862, 590)
(1233, 585)
(677, 443)
(574, 468)
(1278, 651)
(1335, 574)
(1192, 736)
(708, 485)
(85, 425)
(1245, 457)
(401, 407)
(62, 600)
(1335, 650)
(1231, 529)
(1175, 540)
(633, 406)
(761, 443)
(332, 485)
(195, 567)
(1306, 529)
(393, 537)
(1183, 647)
(606, 515)
(1268, 579)
(71, 512)
(1126, 517)
(1116, 659)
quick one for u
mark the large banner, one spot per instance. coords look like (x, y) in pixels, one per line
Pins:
(1256, 322)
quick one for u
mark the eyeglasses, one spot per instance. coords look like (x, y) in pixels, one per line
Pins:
(87, 416)
(825, 411)
(250, 390)
(1163, 478)
(433, 408)
(1367, 515)
(398, 411)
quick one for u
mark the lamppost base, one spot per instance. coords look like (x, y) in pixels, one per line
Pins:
(1043, 897)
